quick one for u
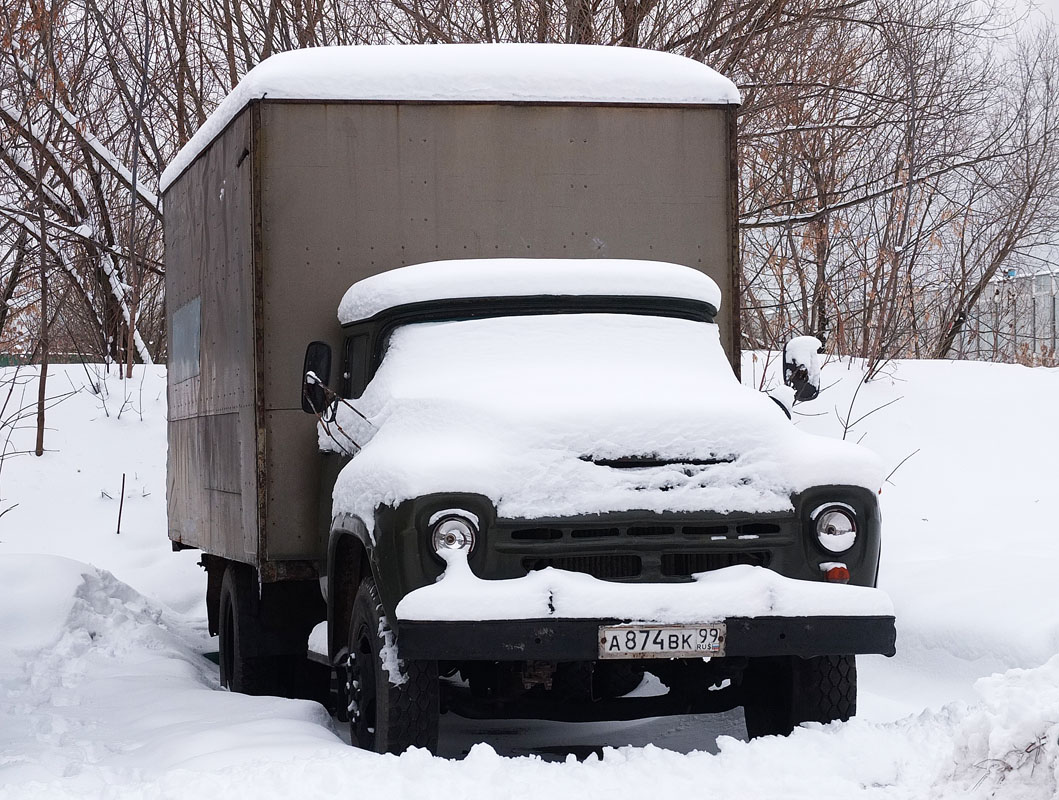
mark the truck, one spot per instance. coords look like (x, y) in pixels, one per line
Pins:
(533, 477)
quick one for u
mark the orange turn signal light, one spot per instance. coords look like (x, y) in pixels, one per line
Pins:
(837, 575)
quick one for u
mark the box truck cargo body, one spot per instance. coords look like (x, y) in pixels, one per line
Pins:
(533, 475)
(295, 200)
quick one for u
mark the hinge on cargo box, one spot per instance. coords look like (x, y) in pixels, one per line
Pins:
(242, 157)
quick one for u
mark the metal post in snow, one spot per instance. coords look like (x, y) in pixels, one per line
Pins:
(121, 503)
(996, 324)
(1033, 319)
(1014, 324)
(1053, 318)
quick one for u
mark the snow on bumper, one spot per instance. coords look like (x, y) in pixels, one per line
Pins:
(553, 615)
(738, 591)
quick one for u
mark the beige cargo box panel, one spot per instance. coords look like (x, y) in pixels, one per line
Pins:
(297, 200)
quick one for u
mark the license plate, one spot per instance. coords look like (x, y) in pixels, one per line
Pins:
(662, 641)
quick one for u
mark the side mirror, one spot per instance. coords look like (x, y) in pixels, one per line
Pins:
(801, 366)
(315, 376)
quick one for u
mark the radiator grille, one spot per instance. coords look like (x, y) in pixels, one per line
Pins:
(605, 567)
(687, 564)
(644, 549)
(717, 531)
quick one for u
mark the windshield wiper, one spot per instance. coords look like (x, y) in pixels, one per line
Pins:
(645, 462)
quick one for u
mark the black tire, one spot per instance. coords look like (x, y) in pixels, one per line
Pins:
(242, 638)
(384, 717)
(782, 693)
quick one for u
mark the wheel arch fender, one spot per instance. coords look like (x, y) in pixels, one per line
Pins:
(350, 557)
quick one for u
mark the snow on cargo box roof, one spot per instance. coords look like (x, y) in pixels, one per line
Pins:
(535, 73)
(524, 277)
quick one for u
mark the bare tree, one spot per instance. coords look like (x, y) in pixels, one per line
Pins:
(1019, 212)
(896, 155)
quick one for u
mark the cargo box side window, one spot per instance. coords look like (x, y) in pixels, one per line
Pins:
(184, 349)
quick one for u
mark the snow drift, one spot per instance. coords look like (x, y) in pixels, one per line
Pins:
(106, 694)
(108, 697)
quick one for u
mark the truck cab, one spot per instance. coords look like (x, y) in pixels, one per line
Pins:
(552, 483)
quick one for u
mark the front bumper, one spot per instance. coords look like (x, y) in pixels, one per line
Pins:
(577, 639)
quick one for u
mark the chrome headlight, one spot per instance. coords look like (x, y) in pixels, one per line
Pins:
(836, 527)
(453, 532)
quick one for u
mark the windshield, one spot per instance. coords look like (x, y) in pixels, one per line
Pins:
(572, 359)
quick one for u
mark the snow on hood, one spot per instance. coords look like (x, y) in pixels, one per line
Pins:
(542, 73)
(517, 408)
(514, 277)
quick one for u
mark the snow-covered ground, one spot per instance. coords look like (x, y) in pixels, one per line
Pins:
(105, 692)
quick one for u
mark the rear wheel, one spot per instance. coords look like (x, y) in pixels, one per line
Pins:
(782, 693)
(393, 705)
(242, 640)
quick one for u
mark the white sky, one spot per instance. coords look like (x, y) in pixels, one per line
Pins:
(1051, 8)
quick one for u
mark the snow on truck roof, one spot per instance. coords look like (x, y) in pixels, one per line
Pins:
(524, 277)
(537, 73)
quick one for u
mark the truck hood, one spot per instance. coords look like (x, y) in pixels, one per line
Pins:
(576, 414)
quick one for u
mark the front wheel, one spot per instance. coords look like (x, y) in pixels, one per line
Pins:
(781, 693)
(393, 703)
